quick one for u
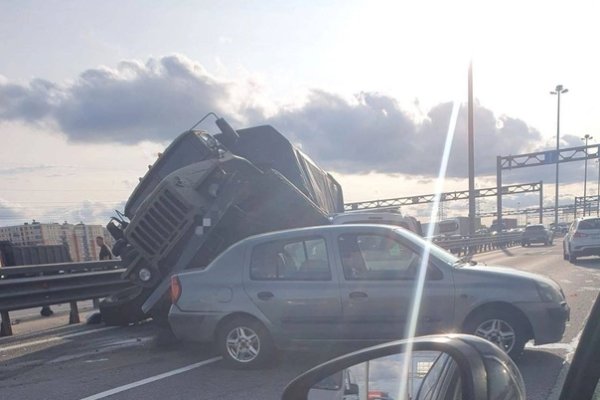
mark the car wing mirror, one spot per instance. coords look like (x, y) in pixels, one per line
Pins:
(452, 366)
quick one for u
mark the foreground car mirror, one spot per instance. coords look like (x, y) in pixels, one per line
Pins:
(456, 367)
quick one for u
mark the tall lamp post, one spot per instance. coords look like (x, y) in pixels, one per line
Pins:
(585, 138)
(598, 190)
(557, 91)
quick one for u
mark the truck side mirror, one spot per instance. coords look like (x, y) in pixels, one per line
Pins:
(230, 136)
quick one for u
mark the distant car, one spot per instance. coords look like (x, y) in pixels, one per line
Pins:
(536, 233)
(354, 283)
(582, 239)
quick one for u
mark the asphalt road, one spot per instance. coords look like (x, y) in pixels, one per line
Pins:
(49, 360)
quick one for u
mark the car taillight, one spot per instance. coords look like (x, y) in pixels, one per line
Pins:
(175, 289)
(580, 235)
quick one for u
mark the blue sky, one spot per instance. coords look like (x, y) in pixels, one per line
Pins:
(81, 83)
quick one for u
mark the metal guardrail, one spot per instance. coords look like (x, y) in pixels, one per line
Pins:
(43, 285)
(477, 244)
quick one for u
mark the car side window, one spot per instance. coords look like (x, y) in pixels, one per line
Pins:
(297, 260)
(376, 257)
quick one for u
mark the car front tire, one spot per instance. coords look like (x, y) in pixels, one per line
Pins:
(245, 343)
(500, 327)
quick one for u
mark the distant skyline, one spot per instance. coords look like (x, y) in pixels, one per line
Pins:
(88, 95)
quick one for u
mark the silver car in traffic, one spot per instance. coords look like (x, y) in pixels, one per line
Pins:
(582, 239)
(354, 283)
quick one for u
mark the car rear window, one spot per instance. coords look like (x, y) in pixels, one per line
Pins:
(589, 224)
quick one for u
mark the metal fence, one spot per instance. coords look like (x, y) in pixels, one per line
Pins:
(478, 244)
(43, 285)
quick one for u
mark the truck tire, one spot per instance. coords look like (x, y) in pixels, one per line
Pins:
(124, 307)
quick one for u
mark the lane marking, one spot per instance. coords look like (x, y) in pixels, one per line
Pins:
(106, 348)
(562, 374)
(151, 379)
(56, 338)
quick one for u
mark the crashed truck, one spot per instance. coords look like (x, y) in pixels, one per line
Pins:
(204, 193)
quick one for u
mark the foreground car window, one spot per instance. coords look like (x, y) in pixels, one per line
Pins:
(376, 257)
(304, 259)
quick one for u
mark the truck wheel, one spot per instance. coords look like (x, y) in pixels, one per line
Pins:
(500, 327)
(124, 307)
(245, 343)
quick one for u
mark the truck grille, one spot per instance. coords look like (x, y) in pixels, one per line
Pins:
(160, 224)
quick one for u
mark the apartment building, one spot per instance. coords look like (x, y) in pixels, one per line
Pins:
(80, 238)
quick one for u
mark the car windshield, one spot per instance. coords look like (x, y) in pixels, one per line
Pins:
(435, 250)
(171, 171)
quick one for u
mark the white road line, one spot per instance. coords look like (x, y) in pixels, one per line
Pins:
(55, 338)
(562, 374)
(151, 379)
(106, 348)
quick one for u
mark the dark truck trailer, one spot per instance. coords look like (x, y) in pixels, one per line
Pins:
(200, 197)
(12, 255)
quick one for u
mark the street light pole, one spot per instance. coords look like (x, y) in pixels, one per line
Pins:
(598, 186)
(585, 138)
(558, 91)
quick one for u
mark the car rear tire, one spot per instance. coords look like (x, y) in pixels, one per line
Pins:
(572, 258)
(245, 343)
(503, 328)
(565, 256)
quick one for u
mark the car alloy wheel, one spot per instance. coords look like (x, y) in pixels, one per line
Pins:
(243, 344)
(498, 332)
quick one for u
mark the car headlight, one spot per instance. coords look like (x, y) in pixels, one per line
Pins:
(548, 293)
(145, 275)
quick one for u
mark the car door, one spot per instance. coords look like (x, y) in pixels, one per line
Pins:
(378, 287)
(291, 281)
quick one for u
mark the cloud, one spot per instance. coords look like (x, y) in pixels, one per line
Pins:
(88, 212)
(128, 104)
(373, 134)
(10, 212)
(158, 99)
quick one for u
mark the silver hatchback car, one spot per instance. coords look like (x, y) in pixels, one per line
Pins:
(354, 283)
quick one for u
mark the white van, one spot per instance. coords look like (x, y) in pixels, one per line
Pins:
(378, 217)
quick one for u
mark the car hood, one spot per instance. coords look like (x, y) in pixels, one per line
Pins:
(507, 272)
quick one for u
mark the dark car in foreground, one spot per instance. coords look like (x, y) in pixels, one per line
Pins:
(355, 283)
(466, 368)
(536, 233)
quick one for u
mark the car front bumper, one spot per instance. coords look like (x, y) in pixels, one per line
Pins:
(548, 321)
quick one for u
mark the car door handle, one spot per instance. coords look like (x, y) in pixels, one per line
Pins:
(358, 295)
(265, 295)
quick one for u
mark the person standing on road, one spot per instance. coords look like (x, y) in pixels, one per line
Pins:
(104, 251)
